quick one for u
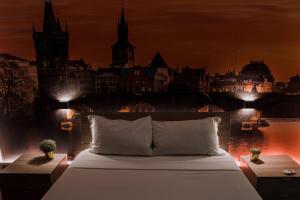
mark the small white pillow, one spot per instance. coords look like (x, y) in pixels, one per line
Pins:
(121, 137)
(191, 137)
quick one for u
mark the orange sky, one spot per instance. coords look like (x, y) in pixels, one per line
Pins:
(217, 34)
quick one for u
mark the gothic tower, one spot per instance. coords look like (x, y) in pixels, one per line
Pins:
(52, 50)
(122, 50)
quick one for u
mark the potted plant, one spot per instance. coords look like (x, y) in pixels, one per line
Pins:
(255, 152)
(48, 146)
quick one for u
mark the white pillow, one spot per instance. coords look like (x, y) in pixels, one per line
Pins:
(121, 137)
(191, 137)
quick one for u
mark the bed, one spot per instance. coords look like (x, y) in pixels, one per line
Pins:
(94, 176)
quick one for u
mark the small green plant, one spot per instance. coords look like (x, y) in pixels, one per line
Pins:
(255, 150)
(47, 146)
(254, 154)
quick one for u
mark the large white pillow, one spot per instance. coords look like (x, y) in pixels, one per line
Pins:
(191, 137)
(121, 137)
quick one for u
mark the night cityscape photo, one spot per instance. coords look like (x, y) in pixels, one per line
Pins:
(62, 58)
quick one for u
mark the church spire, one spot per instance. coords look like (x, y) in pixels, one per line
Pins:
(122, 50)
(123, 19)
(122, 25)
(49, 18)
(58, 25)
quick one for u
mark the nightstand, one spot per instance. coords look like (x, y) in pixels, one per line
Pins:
(268, 178)
(3, 165)
(30, 176)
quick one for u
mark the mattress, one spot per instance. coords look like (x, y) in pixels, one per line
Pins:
(92, 176)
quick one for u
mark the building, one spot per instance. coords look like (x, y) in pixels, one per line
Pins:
(187, 80)
(107, 81)
(280, 87)
(293, 86)
(254, 77)
(84, 76)
(18, 79)
(52, 53)
(203, 80)
(137, 80)
(29, 67)
(224, 82)
(161, 74)
(122, 50)
(256, 74)
(154, 78)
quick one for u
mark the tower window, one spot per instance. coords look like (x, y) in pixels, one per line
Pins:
(137, 72)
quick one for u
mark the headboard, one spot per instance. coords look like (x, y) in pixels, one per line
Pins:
(224, 128)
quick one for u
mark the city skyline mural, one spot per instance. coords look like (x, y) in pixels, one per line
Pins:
(60, 59)
(190, 91)
(217, 35)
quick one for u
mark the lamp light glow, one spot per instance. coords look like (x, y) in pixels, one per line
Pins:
(246, 96)
(64, 99)
(1, 160)
(249, 98)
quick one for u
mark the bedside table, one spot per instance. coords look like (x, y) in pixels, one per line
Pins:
(268, 178)
(30, 176)
(3, 165)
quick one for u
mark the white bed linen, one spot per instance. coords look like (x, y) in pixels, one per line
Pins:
(95, 161)
(93, 176)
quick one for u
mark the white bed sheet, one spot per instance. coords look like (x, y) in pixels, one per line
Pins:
(95, 161)
(93, 176)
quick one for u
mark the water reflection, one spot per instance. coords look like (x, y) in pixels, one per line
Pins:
(210, 108)
(138, 107)
(281, 137)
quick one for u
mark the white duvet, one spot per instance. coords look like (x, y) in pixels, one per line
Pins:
(94, 161)
(92, 176)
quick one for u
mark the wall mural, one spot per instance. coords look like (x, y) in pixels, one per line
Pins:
(201, 66)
